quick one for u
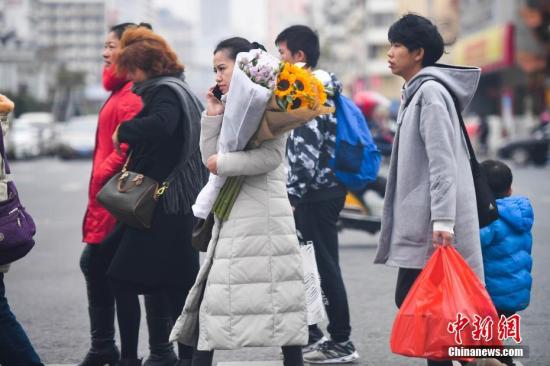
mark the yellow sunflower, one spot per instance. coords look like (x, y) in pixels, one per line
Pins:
(285, 83)
(299, 100)
(303, 82)
(293, 69)
(320, 89)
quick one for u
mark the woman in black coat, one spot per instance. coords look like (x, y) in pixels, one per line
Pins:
(164, 143)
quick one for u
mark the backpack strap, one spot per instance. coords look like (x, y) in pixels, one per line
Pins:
(471, 151)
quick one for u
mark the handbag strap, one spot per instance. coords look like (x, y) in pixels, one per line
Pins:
(471, 152)
(125, 166)
(5, 163)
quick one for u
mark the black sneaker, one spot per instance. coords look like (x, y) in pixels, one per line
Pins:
(332, 352)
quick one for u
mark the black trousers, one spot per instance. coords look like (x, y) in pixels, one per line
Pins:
(405, 280)
(316, 222)
(508, 361)
(94, 264)
(292, 356)
(15, 347)
(129, 313)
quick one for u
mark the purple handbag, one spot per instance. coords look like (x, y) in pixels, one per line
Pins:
(16, 225)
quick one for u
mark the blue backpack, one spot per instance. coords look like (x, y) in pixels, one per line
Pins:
(357, 159)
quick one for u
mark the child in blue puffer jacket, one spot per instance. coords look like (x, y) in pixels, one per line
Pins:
(506, 245)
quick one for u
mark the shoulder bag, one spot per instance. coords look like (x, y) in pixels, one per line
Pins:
(131, 197)
(17, 227)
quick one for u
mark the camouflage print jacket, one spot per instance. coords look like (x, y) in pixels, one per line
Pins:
(309, 150)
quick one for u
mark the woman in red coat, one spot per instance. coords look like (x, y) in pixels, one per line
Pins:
(122, 105)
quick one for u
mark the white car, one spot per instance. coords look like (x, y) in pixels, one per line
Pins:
(31, 135)
(23, 141)
(76, 137)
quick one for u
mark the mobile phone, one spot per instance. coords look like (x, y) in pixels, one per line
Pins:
(217, 92)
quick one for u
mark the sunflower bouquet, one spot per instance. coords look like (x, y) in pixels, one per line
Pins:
(298, 97)
(298, 88)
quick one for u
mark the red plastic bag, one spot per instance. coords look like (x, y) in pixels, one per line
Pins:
(446, 294)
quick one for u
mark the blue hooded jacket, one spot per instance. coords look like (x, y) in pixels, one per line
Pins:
(506, 246)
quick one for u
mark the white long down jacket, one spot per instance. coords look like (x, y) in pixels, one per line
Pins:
(252, 277)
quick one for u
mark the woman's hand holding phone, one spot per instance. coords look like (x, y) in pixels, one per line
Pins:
(214, 106)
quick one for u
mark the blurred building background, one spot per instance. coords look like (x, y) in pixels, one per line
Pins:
(50, 50)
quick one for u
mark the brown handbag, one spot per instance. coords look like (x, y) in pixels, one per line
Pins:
(131, 197)
(202, 233)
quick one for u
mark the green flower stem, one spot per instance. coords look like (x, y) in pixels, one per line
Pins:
(227, 197)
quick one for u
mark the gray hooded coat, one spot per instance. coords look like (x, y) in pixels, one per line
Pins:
(429, 176)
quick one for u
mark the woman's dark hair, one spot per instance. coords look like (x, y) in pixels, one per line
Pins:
(301, 38)
(235, 45)
(141, 48)
(119, 29)
(415, 32)
(499, 176)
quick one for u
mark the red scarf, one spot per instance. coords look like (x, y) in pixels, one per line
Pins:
(111, 81)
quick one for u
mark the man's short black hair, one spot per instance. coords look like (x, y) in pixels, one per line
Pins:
(414, 32)
(499, 176)
(301, 38)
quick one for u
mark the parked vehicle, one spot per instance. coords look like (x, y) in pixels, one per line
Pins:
(45, 124)
(531, 149)
(23, 142)
(361, 215)
(76, 138)
(31, 135)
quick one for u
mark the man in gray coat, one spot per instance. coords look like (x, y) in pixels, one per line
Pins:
(430, 197)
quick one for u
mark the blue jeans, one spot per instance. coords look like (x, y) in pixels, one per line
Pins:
(15, 347)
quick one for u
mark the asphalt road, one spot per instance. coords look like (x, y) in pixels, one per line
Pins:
(47, 292)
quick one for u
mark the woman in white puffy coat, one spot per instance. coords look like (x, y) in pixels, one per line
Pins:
(250, 289)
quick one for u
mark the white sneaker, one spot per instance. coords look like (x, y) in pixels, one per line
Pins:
(332, 352)
(313, 346)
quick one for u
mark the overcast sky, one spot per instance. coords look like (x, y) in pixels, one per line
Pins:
(187, 9)
(247, 18)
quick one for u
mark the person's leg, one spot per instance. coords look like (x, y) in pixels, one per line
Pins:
(15, 347)
(129, 316)
(439, 363)
(301, 218)
(315, 339)
(317, 223)
(292, 356)
(159, 323)
(101, 308)
(202, 358)
(405, 280)
(507, 360)
(176, 300)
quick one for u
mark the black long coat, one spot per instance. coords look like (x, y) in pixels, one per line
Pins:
(161, 256)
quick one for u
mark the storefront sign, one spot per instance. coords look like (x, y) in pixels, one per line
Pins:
(491, 49)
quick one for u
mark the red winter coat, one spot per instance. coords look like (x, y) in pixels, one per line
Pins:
(121, 106)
